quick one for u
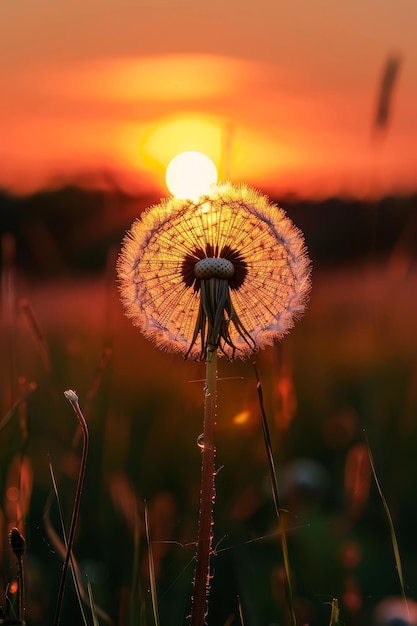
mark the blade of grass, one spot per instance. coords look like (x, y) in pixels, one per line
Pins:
(75, 570)
(92, 604)
(97, 379)
(135, 603)
(393, 534)
(152, 577)
(239, 604)
(73, 399)
(10, 608)
(37, 334)
(26, 391)
(65, 545)
(8, 277)
(274, 487)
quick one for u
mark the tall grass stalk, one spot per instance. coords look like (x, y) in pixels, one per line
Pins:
(92, 604)
(152, 576)
(134, 604)
(27, 389)
(62, 547)
(393, 534)
(239, 606)
(274, 487)
(73, 399)
(207, 493)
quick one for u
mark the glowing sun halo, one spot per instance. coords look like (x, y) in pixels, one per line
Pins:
(190, 175)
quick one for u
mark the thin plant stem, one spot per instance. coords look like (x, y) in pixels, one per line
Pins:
(334, 615)
(393, 534)
(21, 579)
(73, 399)
(18, 545)
(207, 493)
(152, 575)
(274, 488)
(135, 604)
(61, 546)
(28, 388)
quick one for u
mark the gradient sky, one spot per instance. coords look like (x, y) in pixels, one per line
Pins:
(281, 95)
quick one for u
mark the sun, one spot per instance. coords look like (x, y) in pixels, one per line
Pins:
(190, 175)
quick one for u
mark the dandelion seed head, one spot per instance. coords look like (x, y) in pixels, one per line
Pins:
(231, 262)
(213, 267)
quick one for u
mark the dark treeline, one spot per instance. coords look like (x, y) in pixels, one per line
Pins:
(74, 229)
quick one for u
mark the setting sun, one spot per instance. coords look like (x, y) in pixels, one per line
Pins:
(190, 175)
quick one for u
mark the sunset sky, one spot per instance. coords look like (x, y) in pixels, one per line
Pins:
(281, 95)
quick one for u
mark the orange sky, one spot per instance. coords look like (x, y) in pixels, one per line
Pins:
(281, 95)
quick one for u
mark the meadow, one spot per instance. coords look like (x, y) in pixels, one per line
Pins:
(341, 385)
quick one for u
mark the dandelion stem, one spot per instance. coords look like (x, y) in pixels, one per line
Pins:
(207, 493)
(73, 399)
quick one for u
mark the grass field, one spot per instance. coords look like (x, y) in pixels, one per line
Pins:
(348, 365)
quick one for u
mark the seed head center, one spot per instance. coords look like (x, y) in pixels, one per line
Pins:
(213, 267)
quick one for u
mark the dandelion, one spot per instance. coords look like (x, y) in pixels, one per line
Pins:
(227, 272)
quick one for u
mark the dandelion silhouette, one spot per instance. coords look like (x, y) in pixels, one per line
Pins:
(224, 275)
(235, 236)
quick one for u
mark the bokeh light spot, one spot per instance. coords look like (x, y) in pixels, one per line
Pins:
(12, 494)
(241, 418)
(13, 587)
